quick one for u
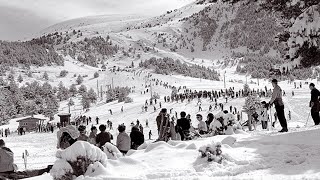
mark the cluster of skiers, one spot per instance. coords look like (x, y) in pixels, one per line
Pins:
(5, 132)
(46, 128)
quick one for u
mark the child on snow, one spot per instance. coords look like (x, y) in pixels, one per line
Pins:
(123, 140)
(202, 126)
(93, 135)
(82, 131)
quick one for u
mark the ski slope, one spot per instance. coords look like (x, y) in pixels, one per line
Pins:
(257, 155)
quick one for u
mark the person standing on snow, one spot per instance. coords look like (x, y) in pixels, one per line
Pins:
(183, 126)
(314, 104)
(276, 99)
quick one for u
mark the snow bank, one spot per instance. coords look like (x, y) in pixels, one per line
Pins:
(78, 159)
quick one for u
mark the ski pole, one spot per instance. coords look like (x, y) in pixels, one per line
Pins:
(307, 119)
(270, 119)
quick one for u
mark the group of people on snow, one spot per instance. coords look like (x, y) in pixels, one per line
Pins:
(69, 134)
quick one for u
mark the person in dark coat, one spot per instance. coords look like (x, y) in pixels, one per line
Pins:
(276, 99)
(103, 137)
(314, 104)
(137, 138)
(183, 126)
(210, 118)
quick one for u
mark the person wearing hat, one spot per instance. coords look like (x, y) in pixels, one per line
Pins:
(276, 99)
(314, 104)
(123, 140)
(82, 131)
(67, 136)
(6, 159)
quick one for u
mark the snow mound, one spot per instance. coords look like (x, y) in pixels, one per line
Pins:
(76, 160)
(156, 145)
(191, 146)
(144, 145)
(229, 140)
(112, 151)
(82, 149)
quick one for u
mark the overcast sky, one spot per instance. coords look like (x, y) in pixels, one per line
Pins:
(20, 19)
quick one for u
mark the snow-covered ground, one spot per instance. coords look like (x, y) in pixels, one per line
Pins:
(255, 155)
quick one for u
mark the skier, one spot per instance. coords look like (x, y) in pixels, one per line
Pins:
(314, 104)
(200, 108)
(97, 120)
(138, 122)
(110, 111)
(289, 115)
(160, 105)
(150, 134)
(279, 106)
(163, 125)
(210, 107)
(122, 109)
(147, 123)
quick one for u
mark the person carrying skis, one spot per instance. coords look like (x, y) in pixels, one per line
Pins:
(163, 125)
(279, 106)
(6, 155)
(314, 104)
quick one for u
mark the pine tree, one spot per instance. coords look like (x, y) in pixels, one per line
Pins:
(82, 89)
(20, 79)
(63, 92)
(246, 90)
(92, 95)
(79, 79)
(85, 101)
(71, 102)
(73, 90)
(96, 75)
(10, 77)
(29, 74)
(45, 76)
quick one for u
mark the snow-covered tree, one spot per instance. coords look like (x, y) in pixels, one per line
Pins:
(79, 79)
(96, 75)
(45, 76)
(92, 95)
(20, 79)
(73, 90)
(82, 89)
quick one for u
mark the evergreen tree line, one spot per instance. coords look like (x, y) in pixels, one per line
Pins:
(13, 54)
(91, 51)
(168, 66)
(257, 65)
(34, 98)
(118, 93)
